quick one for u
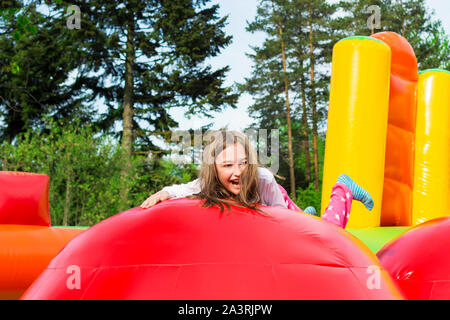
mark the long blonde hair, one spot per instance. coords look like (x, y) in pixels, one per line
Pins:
(212, 190)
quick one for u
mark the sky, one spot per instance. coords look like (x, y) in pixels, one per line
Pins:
(239, 12)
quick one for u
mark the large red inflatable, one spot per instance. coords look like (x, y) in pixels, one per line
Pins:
(419, 260)
(180, 250)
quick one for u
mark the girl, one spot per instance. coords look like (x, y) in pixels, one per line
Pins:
(230, 174)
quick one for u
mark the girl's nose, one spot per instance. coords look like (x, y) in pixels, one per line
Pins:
(237, 170)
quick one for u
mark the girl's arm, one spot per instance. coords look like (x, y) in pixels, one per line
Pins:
(183, 190)
(172, 192)
(270, 192)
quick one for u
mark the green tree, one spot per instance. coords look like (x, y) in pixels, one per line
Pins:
(423, 31)
(322, 33)
(358, 17)
(35, 68)
(138, 58)
(308, 35)
(84, 170)
(435, 50)
(270, 81)
(409, 18)
(154, 54)
(152, 57)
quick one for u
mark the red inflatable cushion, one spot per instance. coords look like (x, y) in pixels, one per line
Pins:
(419, 260)
(24, 198)
(180, 250)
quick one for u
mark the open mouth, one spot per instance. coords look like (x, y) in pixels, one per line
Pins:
(234, 182)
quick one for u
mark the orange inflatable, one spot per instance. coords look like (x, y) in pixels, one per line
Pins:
(27, 242)
(25, 251)
(180, 250)
(399, 162)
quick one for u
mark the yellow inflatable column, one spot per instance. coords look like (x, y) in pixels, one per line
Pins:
(431, 192)
(357, 122)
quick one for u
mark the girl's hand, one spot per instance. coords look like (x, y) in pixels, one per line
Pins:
(154, 199)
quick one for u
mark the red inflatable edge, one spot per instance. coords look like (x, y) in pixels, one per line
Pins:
(24, 198)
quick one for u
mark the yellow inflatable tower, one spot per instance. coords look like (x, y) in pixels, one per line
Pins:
(388, 129)
(357, 120)
(431, 195)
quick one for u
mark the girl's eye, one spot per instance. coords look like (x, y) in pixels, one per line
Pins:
(228, 165)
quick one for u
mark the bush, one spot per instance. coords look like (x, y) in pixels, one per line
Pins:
(85, 172)
(309, 197)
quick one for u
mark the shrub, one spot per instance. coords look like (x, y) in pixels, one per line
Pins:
(85, 172)
(309, 197)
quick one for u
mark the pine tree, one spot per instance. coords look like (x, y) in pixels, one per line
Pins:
(280, 24)
(358, 17)
(149, 57)
(409, 18)
(166, 52)
(270, 81)
(308, 33)
(298, 35)
(321, 40)
(312, 35)
(412, 20)
(36, 64)
(434, 51)
(139, 58)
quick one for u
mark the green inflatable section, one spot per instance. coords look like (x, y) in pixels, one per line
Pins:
(376, 238)
(71, 227)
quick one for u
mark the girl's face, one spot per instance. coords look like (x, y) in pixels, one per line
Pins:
(230, 163)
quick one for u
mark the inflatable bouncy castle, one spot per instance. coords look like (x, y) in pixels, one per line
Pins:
(27, 240)
(388, 127)
(181, 250)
